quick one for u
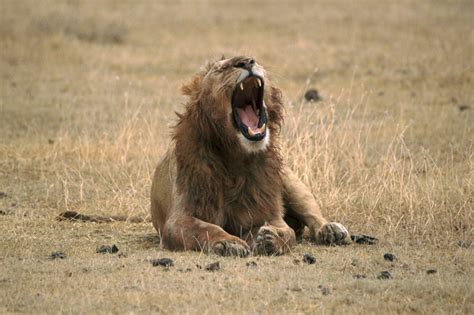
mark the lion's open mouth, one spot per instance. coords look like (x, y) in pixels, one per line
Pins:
(248, 110)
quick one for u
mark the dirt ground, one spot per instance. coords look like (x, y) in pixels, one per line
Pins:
(88, 92)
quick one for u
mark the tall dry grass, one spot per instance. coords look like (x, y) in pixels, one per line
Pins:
(360, 169)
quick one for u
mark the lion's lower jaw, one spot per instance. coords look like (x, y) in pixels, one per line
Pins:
(254, 146)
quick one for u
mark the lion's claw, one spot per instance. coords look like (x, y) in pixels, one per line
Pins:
(332, 233)
(267, 242)
(231, 248)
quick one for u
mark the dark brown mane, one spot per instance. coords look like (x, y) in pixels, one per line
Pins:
(213, 170)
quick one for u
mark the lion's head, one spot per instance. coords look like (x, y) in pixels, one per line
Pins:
(231, 101)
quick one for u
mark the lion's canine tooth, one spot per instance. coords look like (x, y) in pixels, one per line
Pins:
(241, 86)
(251, 133)
(259, 83)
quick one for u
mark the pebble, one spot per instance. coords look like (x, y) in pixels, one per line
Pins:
(213, 267)
(389, 257)
(106, 249)
(308, 259)
(364, 239)
(312, 95)
(164, 262)
(251, 264)
(57, 255)
(384, 275)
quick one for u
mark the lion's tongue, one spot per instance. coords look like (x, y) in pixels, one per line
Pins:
(248, 116)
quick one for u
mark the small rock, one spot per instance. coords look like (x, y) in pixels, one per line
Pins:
(3, 194)
(389, 257)
(198, 266)
(308, 259)
(106, 249)
(364, 239)
(164, 262)
(312, 95)
(431, 271)
(384, 275)
(57, 255)
(296, 261)
(251, 264)
(50, 141)
(2, 212)
(359, 276)
(463, 107)
(296, 289)
(324, 290)
(213, 267)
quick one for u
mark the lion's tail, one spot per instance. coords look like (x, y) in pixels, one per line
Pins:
(75, 216)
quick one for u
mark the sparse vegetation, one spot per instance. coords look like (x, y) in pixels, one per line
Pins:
(88, 92)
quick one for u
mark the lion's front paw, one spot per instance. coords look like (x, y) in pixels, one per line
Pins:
(268, 242)
(332, 233)
(231, 248)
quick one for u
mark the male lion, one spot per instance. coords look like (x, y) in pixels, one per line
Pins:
(222, 186)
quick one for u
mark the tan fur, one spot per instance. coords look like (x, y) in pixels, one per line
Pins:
(211, 193)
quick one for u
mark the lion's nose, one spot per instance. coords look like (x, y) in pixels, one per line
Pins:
(245, 64)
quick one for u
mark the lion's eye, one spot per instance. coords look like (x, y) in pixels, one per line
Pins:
(239, 65)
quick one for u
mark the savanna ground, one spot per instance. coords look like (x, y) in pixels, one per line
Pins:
(88, 92)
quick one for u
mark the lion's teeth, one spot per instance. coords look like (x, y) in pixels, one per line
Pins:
(259, 130)
(251, 133)
(242, 86)
(259, 83)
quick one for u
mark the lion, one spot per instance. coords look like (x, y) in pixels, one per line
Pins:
(222, 186)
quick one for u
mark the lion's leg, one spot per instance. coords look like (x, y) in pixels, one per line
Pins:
(273, 238)
(189, 233)
(301, 205)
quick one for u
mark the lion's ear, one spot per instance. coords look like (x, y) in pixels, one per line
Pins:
(192, 87)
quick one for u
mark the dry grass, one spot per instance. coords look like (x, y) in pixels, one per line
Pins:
(88, 91)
